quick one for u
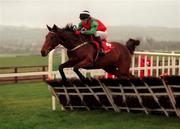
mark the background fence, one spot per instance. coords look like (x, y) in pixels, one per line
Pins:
(155, 64)
(22, 74)
(143, 64)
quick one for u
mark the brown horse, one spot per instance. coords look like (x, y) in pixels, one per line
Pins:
(82, 54)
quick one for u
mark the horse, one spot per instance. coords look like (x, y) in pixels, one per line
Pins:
(83, 54)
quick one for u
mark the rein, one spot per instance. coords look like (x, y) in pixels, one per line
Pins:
(79, 46)
(84, 43)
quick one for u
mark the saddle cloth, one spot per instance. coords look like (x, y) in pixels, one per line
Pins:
(106, 46)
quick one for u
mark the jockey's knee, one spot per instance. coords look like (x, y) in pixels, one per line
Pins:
(96, 35)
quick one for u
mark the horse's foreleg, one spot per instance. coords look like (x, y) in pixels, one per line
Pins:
(83, 64)
(69, 63)
(61, 71)
(80, 75)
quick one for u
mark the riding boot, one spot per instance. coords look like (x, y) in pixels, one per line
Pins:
(101, 50)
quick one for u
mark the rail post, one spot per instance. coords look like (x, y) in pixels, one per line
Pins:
(50, 76)
(173, 63)
(44, 69)
(16, 78)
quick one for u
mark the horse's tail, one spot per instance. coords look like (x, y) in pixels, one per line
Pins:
(131, 44)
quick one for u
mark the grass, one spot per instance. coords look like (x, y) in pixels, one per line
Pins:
(28, 106)
(22, 61)
(28, 60)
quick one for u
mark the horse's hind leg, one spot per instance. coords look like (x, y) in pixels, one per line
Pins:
(119, 72)
(112, 70)
(123, 71)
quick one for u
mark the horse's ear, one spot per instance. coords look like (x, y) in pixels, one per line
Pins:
(55, 28)
(49, 28)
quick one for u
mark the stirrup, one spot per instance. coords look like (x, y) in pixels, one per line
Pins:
(101, 52)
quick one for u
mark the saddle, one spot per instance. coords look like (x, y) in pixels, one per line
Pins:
(106, 46)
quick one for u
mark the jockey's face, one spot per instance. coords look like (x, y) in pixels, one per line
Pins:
(84, 20)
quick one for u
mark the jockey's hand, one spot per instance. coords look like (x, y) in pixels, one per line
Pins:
(83, 29)
(74, 27)
(82, 32)
(77, 32)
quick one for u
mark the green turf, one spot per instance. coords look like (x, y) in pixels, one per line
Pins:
(28, 60)
(28, 106)
(22, 61)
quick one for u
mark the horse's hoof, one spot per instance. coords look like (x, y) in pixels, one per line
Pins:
(83, 80)
(124, 78)
(66, 83)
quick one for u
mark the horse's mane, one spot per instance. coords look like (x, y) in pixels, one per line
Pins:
(70, 27)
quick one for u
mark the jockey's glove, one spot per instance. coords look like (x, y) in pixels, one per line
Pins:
(77, 32)
(74, 27)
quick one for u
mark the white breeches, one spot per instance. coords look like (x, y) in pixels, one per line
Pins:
(101, 34)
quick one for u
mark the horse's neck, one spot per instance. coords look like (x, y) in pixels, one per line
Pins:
(71, 43)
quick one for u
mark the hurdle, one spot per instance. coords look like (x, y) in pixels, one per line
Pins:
(149, 95)
(133, 95)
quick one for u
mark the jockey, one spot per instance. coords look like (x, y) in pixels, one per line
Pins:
(92, 26)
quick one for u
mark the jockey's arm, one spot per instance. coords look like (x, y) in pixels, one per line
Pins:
(80, 26)
(93, 29)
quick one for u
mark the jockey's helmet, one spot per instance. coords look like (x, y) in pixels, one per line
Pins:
(84, 15)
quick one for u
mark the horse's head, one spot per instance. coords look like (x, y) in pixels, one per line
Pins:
(64, 36)
(51, 41)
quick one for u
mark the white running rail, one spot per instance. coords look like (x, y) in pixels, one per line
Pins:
(146, 63)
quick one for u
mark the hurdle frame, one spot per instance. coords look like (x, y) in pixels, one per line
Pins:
(170, 67)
